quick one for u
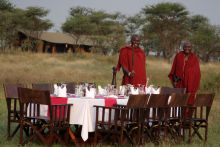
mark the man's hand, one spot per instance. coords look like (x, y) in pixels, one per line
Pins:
(174, 84)
(114, 70)
(131, 74)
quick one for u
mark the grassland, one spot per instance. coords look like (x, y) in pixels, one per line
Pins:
(30, 68)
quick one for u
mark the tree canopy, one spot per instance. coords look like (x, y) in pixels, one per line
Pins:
(99, 26)
(167, 23)
(13, 19)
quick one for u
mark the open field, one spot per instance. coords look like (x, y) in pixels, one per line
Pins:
(31, 68)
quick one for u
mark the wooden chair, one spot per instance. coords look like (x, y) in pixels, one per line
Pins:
(121, 121)
(155, 115)
(48, 127)
(43, 86)
(200, 114)
(177, 104)
(13, 109)
(169, 90)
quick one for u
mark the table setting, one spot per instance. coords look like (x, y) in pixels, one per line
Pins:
(86, 96)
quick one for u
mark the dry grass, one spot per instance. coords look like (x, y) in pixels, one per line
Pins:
(46, 68)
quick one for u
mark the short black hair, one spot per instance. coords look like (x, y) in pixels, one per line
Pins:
(134, 36)
(187, 43)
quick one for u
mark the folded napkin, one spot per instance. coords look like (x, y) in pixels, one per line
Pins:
(90, 92)
(122, 90)
(152, 90)
(55, 89)
(109, 102)
(101, 91)
(134, 91)
(60, 91)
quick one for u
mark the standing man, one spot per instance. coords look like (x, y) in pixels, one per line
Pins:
(185, 72)
(132, 61)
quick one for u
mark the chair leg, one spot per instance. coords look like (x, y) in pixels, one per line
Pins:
(196, 132)
(21, 134)
(121, 136)
(95, 138)
(15, 131)
(206, 133)
(190, 136)
(8, 128)
(73, 137)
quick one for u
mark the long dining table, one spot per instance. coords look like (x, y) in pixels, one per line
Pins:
(82, 111)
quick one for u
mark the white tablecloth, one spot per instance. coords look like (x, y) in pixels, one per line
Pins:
(83, 113)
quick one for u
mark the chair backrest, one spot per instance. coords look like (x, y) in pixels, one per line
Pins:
(70, 87)
(203, 103)
(137, 101)
(205, 99)
(11, 90)
(177, 100)
(27, 95)
(135, 106)
(43, 86)
(157, 100)
(13, 107)
(56, 118)
(11, 95)
(177, 105)
(169, 90)
(156, 107)
(31, 101)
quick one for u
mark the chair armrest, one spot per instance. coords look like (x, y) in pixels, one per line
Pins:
(12, 98)
(119, 106)
(113, 107)
(96, 106)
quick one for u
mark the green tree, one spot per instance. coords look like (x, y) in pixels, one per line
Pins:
(5, 5)
(79, 24)
(102, 28)
(34, 23)
(167, 23)
(6, 15)
(133, 24)
(13, 19)
(204, 37)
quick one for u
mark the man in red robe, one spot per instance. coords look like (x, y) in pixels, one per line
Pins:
(132, 61)
(185, 72)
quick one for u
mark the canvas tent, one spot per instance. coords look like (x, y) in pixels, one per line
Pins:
(52, 42)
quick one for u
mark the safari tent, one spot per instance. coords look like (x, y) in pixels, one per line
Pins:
(53, 42)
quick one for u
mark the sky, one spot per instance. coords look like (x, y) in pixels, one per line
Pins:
(59, 9)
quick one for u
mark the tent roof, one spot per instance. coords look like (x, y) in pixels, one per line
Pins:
(61, 38)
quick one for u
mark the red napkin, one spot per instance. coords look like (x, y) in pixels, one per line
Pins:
(109, 102)
(58, 100)
(59, 113)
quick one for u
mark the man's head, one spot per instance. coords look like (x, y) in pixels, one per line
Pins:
(135, 41)
(187, 47)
